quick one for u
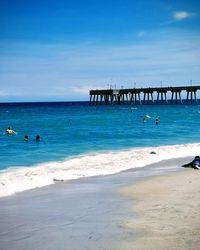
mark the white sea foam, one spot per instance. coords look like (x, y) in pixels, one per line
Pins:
(20, 179)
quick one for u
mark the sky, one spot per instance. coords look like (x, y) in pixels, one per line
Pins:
(57, 50)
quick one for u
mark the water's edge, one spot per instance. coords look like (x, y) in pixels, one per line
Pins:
(15, 180)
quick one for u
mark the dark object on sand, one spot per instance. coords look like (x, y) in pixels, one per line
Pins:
(57, 180)
(193, 164)
(153, 153)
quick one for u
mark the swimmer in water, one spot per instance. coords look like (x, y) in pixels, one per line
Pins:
(9, 131)
(148, 116)
(156, 122)
(26, 138)
(37, 138)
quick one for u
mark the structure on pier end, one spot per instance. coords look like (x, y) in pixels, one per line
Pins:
(144, 95)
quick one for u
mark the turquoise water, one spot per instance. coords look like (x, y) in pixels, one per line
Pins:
(91, 129)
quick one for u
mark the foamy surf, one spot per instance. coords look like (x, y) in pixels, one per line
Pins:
(24, 178)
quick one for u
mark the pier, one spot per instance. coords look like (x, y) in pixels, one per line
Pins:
(145, 95)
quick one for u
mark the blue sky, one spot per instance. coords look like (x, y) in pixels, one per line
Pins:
(58, 50)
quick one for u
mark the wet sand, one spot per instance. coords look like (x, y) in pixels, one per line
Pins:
(166, 212)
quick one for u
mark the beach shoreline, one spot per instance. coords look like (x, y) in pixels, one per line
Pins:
(166, 211)
(79, 212)
(19, 179)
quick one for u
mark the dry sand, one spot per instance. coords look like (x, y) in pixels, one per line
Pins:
(167, 210)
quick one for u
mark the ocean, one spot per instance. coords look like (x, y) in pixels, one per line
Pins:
(79, 140)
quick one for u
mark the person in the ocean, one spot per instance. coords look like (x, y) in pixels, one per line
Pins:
(26, 138)
(156, 122)
(9, 131)
(193, 164)
(37, 138)
(147, 116)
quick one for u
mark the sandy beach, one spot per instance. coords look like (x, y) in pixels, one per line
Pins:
(167, 212)
(135, 209)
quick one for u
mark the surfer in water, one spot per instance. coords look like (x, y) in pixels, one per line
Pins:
(146, 117)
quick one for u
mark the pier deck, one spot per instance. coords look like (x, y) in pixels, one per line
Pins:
(145, 95)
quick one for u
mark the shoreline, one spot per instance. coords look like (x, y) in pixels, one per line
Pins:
(21, 179)
(166, 211)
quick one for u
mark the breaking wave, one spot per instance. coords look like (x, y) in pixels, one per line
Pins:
(20, 178)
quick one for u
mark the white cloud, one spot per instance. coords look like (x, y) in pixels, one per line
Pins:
(181, 15)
